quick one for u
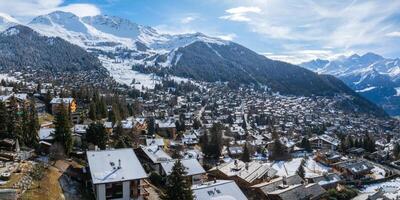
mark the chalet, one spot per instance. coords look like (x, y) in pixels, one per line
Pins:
(68, 102)
(327, 181)
(328, 157)
(245, 174)
(353, 169)
(195, 172)
(291, 187)
(166, 128)
(218, 189)
(116, 174)
(324, 142)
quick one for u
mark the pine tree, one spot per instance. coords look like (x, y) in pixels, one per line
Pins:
(151, 127)
(97, 135)
(396, 151)
(177, 187)
(300, 171)
(305, 143)
(32, 127)
(62, 133)
(92, 111)
(245, 154)
(3, 120)
(278, 152)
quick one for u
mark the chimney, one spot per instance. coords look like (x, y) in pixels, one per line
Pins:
(284, 181)
(119, 163)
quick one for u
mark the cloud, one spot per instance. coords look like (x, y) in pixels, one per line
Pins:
(26, 9)
(187, 20)
(240, 14)
(228, 37)
(298, 57)
(393, 34)
(297, 25)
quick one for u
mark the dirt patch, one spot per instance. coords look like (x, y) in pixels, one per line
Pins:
(48, 187)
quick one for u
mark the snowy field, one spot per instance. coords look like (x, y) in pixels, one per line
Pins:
(391, 188)
(288, 168)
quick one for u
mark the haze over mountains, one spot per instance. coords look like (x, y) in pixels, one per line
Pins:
(371, 75)
(125, 48)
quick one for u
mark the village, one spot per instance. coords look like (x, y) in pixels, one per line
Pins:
(219, 143)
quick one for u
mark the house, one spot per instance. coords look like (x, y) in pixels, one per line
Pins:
(328, 157)
(324, 142)
(116, 174)
(166, 128)
(353, 169)
(245, 174)
(68, 102)
(327, 181)
(153, 156)
(193, 168)
(291, 187)
(218, 189)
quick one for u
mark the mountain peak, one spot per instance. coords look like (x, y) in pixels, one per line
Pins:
(114, 25)
(371, 56)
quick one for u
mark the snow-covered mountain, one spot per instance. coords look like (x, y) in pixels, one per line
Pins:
(138, 55)
(6, 21)
(371, 75)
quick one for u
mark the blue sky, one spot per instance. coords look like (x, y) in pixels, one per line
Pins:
(291, 30)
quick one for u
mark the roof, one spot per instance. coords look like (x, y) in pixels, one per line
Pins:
(249, 172)
(155, 153)
(58, 100)
(326, 179)
(155, 141)
(220, 189)
(192, 166)
(114, 165)
(300, 191)
(274, 184)
(46, 133)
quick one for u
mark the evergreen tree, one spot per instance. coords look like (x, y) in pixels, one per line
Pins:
(177, 187)
(31, 126)
(300, 171)
(92, 111)
(62, 133)
(278, 151)
(245, 154)
(305, 143)
(151, 127)
(97, 135)
(3, 120)
(196, 124)
(396, 151)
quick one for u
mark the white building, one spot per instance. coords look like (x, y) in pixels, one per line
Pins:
(116, 174)
(219, 189)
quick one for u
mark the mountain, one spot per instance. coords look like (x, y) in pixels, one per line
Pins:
(371, 75)
(22, 49)
(130, 52)
(7, 21)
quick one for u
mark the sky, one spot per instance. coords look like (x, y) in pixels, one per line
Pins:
(289, 30)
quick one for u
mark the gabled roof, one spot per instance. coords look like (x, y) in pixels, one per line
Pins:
(192, 166)
(114, 165)
(218, 190)
(155, 153)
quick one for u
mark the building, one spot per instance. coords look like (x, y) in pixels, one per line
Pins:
(245, 174)
(116, 174)
(291, 187)
(68, 102)
(325, 142)
(195, 172)
(218, 189)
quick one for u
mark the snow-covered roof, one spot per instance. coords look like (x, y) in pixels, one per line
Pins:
(246, 171)
(80, 128)
(192, 166)
(156, 154)
(218, 190)
(114, 165)
(58, 100)
(46, 133)
(155, 141)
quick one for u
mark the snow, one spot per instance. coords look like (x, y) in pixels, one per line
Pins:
(288, 168)
(391, 188)
(11, 32)
(378, 173)
(7, 77)
(366, 89)
(397, 91)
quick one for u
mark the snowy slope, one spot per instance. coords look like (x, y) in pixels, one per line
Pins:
(119, 42)
(6, 21)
